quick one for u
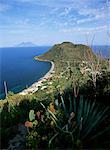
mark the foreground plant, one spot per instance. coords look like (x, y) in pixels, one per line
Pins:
(31, 128)
(80, 124)
(75, 123)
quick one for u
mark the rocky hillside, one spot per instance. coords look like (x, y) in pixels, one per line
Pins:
(68, 51)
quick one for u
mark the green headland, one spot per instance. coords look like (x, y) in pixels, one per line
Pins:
(69, 110)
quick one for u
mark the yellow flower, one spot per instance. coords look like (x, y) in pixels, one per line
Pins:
(51, 107)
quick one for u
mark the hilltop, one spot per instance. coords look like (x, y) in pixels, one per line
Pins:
(66, 52)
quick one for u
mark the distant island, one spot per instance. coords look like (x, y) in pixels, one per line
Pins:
(26, 44)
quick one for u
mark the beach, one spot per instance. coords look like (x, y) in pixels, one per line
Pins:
(34, 87)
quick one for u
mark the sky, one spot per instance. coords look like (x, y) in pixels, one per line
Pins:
(47, 22)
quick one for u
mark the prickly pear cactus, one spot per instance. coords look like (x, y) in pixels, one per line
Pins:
(31, 115)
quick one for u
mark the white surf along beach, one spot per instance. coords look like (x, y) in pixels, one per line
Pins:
(34, 87)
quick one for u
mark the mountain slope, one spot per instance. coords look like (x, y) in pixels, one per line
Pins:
(66, 52)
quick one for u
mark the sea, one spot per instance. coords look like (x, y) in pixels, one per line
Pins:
(19, 69)
(102, 50)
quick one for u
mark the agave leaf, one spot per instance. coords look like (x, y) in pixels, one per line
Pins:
(100, 133)
(93, 106)
(90, 116)
(79, 115)
(64, 107)
(88, 109)
(62, 129)
(92, 112)
(85, 108)
(75, 105)
(52, 114)
(42, 105)
(95, 121)
(80, 110)
(71, 107)
(90, 120)
(99, 116)
(52, 138)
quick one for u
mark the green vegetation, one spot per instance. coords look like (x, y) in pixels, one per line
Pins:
(64, 122)
(70, 110)
(66, 52)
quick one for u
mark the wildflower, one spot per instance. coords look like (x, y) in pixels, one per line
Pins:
(28, 124)
(72, 115)
(51, 107)
(42, 118)
(44, 138)
(38, 114)
(52, 124)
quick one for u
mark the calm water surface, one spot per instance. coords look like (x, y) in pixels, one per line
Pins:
(19, 69)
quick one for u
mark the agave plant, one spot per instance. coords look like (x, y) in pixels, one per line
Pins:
(82, 119)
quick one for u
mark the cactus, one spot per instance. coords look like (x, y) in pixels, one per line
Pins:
(31, 115)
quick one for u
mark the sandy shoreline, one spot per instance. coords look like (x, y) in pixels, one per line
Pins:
(34, 87)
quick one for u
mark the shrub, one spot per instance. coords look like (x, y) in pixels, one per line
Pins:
(81, 125)
(76, 124)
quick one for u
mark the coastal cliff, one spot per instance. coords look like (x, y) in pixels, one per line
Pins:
(67, 52)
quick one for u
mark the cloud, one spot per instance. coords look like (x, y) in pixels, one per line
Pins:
(24, 22)
(88, 11)
(61, 3)
(85, 30)
(26, 1)
(65, 11)
(91, 19)
(4, 7)
(52, 16)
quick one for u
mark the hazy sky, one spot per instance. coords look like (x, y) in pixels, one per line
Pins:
(46, 22)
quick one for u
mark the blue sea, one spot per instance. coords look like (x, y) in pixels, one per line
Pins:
(103, 50)
(19, 68)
